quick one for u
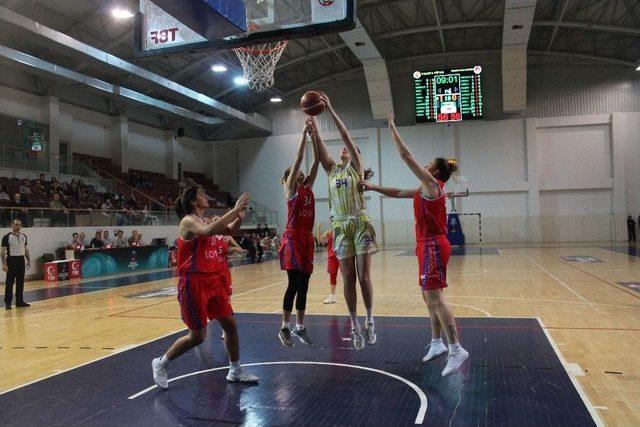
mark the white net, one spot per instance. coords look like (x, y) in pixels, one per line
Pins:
(259, 63)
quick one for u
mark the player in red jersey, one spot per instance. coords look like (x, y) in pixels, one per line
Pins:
(333, 264)
(225, 246)
(202, 287)
(297, 248)
(433, 248)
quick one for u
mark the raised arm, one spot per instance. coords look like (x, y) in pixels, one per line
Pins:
(190, 227)
(418, 170)
(321, 148)
(313, 172)
(290, 183)
(356, 159)
(389, 191)
(235, 225)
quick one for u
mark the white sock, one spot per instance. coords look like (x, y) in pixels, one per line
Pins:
(436, 340)
(299, 327)
(455, 347)
(164, 360)
(286, 325)
(235, 365)
(354, 320)
(370, 315)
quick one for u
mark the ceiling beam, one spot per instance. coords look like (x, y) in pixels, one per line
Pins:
(40, 66)
(155, 80)
(437, 15)
(555, 27)
(375, 69)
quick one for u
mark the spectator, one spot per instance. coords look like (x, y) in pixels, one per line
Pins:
(21, 213)
(60, 212)
(256, 242)
(75, 243)
(43, 182)
(247, 244)
(4, 195)
(132, 238)
(25, 188)
(119, 241)
(106, 205)
(631, 229)
(250, 215)
(96, 242)
(55, 186)
(38, 188)
(82, 239)
(106, 240)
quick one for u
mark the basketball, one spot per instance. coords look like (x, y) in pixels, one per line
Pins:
(311, 103)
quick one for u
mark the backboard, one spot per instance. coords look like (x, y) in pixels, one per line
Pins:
(173, 26)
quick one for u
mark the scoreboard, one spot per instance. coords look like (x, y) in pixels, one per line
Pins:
(448, 95)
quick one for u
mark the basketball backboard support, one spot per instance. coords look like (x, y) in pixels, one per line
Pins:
(166, 27)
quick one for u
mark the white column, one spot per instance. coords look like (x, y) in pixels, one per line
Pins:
(119, 142)
(531, 139)
(51, 116)
(171, 162)
(622, 141)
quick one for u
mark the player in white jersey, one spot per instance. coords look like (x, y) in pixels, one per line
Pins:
(354, 238)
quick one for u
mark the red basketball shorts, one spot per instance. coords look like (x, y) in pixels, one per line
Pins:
(296, 251)
(433, 256)
(333, 265)
(202, 297)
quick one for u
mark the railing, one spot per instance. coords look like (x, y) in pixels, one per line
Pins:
(122, 187)
(49, 217)
(260, 214)
(41, 161)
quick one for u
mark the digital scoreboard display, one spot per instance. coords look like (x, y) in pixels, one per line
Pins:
(448, 95)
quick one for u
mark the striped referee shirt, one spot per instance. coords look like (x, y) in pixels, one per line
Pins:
(15, 244)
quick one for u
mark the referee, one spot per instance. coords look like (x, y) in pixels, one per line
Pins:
(14, 251)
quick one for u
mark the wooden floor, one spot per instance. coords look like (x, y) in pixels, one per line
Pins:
(594, 321)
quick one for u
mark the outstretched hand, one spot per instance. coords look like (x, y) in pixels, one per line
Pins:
(242, 202)
(365, 185)
(325, 99)
(311, 126)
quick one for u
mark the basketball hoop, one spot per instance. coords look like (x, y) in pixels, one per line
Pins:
(259, 63)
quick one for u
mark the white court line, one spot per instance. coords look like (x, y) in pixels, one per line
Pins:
(576, 384)
(423, 397)
(560, 281)
(486, 313)
(499, 251)
(121, 350)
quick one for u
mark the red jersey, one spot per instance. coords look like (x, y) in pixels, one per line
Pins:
(301, 210)
(431, 215)
(202, 254)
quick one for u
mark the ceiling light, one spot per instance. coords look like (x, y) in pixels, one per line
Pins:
(240, 81)
(276, 99)
(122, 13)
(219, 68)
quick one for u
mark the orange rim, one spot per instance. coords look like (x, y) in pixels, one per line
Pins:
(252, 51)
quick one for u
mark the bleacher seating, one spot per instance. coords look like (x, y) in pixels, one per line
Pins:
(161, 188)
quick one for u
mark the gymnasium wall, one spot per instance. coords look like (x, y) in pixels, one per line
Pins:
(572, 178)
(47, 240)
(555, 88)
(90, 132)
